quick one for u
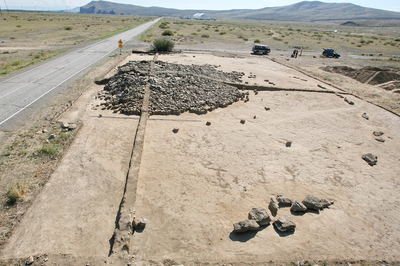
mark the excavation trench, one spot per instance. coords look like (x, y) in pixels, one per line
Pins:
(120, 241)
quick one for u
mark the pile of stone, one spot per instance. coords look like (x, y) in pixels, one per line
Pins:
(68, 126)
(308, 203)
(174, 88)
(258, 216)
(206, 70)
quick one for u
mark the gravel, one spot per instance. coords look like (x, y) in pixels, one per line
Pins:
(175, 88)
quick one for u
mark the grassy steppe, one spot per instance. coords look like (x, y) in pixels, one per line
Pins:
(377, 41)
(30, 37)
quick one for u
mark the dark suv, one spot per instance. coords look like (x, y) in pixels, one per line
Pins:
(261, 49)
(330, 53)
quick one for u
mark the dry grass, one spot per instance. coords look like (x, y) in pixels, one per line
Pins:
(367, 41)
(31, 37)
(17, 192)
(57, 29)
(374, 46)
(28, 156)
(26, 163)
(26, 58)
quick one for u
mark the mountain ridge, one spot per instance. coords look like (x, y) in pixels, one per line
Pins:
(306, 11)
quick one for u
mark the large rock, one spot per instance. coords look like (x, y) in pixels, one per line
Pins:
(273, 205)
(325, 203)
(246, 225)
(312, 202)
(370, 159)
(284, 223)
(297, 206)
(72, 126)
(64, 125)
(29, 261)
(284, 201)
(260, 216)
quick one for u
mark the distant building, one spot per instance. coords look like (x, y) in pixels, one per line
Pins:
(201, 16)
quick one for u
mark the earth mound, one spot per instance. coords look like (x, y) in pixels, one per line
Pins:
(386, 78)
(175, 88)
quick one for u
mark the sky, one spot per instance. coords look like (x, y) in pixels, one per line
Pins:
(391, 5)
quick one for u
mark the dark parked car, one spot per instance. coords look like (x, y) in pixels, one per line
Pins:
(261, 49)
(330, 53)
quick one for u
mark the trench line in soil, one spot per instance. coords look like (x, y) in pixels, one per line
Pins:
(120, 241)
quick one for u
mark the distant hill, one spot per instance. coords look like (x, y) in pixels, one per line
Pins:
(105, 7)
(303, 11)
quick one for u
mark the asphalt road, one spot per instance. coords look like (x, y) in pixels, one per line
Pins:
(22, 94)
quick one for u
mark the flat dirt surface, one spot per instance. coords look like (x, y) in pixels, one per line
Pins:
(194, 184)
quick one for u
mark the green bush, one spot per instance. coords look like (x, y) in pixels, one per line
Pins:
(167, 33)
(163, 25)
(257, 41)
(68, 28)
(163, 45)
(205, 36)
(48, 150)
(64, 136)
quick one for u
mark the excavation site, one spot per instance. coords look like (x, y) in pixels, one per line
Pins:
(197, 158)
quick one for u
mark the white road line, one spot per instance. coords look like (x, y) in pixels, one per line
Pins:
(27, 84)
(24, 73)
(54, 70)
(77, 72)
(26, 106)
